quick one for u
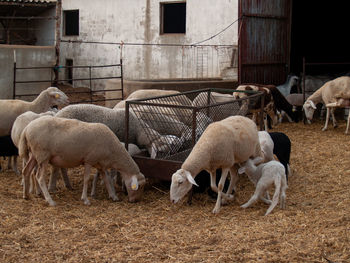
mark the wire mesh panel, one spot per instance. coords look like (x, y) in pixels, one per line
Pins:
(174, 123)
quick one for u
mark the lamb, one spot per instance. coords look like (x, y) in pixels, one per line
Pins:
(69, 143)
(329, 93)
(296, 100)
(11, 109)
(286, 87)
(267, 146)
(222, 145)
(263, 176)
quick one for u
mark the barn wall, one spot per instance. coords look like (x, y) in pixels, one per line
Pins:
(138, 21)
(26, 56)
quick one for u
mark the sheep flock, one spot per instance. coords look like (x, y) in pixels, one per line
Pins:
(45, 140)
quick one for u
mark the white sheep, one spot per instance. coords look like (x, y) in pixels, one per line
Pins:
(329, 93)
(139, 133)
(11, 109)
(69, 143)
(286, 87)
(267, 145)
(222, 145)
(263, 176)
(18, 126)
(133, 149)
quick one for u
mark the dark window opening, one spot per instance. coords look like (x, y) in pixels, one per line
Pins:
(71, 22)
(173, 18)
(69, 70)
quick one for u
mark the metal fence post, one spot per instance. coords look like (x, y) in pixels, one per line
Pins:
(14, 75)
(90, 84)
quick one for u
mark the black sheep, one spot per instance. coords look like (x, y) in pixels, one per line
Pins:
(7, 148)
(282, 148)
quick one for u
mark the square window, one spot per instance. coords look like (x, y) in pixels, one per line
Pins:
(173, 18)
(71, 22)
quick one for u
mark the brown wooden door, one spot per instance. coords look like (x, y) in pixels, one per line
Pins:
(264, 41)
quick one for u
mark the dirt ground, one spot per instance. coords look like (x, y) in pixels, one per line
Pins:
(314, 227)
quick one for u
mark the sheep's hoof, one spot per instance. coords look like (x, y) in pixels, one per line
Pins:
(216, 210)
(93, 196)
(244, 206)
(87, 202)
(324, 129)
(52, 203)
(115, 199)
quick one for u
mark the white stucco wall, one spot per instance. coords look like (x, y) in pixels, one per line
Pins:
(138, 21)
(26, 56)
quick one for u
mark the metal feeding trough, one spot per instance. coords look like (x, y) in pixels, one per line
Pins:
(181, 119)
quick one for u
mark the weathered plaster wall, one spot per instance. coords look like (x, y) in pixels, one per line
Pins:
(138, 21)
(26, 56)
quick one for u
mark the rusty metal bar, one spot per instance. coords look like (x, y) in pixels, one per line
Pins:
(121, 74)
(126, 142)
(90, 84)
(14, 78)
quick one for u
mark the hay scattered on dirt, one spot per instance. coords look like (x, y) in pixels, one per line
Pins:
(314, 226)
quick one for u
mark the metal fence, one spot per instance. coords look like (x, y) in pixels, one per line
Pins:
(88, 78)
(180, 119)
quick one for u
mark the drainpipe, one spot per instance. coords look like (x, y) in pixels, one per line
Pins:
(58, 39)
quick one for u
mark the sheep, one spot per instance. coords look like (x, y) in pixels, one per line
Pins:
(7, 149)
(267, 145)
(263, 176)
(274, 101)
(296, 100)
(20, 123)
(69, 143)
(329, 93)
(115, 120)
(222, 145)
(132, 150)
(282, 149)
(286, 87)
(173, 97)
(11, 109)
(150, 93)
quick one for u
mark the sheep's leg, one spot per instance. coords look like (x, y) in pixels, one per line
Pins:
(14, 165)
(335, 124)
(327, 119)
(276, 195)
(266, 199)
(53, 179)
(41, 180)
(85, 187)
(9, 163)
(27, 170)
(94, 183)
(108, 183)
(347, 124)
(213, 185)
(232, 186)
(220, 187)
(65, 178)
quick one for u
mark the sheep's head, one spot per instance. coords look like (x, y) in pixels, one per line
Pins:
(164, 145)
(134, 186)
(181, 183)
(309, 108)
(57, 97)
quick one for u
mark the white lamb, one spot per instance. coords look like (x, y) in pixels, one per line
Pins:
(11, 109)
(69, 143)
(222, 145)
(329, 93)
(263, 176)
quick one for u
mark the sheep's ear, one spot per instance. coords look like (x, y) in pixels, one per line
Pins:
(190, 178)
(258, 160)
(312, 104)
(241, 170)
(134, 183)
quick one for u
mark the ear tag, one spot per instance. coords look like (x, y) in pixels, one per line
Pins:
(134, 187)
(57, 96)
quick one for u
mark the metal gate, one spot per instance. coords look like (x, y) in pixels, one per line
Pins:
(264, 41)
